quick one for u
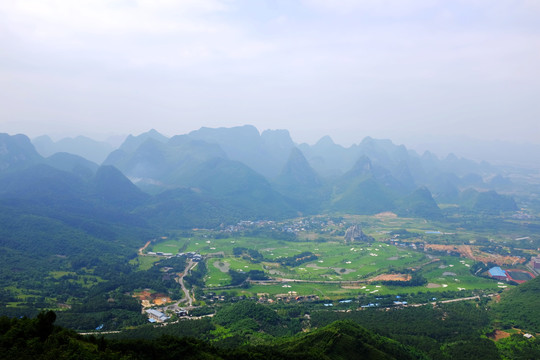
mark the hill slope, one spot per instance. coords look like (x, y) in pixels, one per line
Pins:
(519, 306)
(39, 338)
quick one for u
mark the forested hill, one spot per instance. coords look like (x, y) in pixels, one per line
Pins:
(39, 338)
(520, 307)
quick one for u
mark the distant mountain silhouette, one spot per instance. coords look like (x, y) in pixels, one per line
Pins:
(17, 152)
(298, 173)
(487, 201)
(265, 153)
(112, 187)
(364, 189)
(95, 151)
(420, 204)
(72, 163)
(233, 173)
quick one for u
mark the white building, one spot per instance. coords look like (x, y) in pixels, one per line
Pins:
(157, 315)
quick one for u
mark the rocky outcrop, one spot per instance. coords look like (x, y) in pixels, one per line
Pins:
(355, 234)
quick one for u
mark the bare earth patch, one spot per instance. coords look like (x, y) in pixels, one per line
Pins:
(473, 252)
(432, 286)
(392, 277)
(498, 335)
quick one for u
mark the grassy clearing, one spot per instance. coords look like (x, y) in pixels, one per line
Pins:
(144, 262)
(216, 277)
(452, 273)
(88, 281)
(168, 246)
(58, 274)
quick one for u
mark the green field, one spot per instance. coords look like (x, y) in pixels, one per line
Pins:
(336, 262)
(144, 262)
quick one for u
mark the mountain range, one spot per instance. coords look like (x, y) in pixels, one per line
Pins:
(211, 176)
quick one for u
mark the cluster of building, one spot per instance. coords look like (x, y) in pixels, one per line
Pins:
(416, 245)
(191, 255)
(247, 224)
(160, 253)
(522, 215)
(293, 297)
(156, 316)
(294, 226)
(535, 263)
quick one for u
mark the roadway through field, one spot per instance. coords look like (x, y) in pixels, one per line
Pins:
(187, 296)
(141, 253)
(477, 297)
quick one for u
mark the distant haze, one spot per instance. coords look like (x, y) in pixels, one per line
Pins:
(413, 71)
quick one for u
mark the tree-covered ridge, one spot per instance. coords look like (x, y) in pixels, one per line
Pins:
(248, 331)
(348, 340)
(520, 307)
(39, 338)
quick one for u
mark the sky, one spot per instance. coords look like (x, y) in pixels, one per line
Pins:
(407, 70)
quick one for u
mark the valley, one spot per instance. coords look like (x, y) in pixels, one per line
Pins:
(330, 268)
(245, 240)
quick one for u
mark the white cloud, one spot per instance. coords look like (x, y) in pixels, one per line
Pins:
(309, 64)
(390, 8)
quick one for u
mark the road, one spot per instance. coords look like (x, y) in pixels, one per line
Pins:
(100, 332)
(449, 301)
(187, 296)
(191, 264)
(144, 247)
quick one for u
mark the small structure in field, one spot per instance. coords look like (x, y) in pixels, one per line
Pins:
(497, 273)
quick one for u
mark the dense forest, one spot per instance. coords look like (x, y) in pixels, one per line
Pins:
(251, 331)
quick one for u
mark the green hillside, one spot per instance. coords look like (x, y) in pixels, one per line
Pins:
(343, 340)
(39, 338)
(520, 307)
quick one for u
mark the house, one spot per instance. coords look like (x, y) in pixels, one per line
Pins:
(536, 262)
(497, 273)
(156, 315)
(181, 312)
(197, 257)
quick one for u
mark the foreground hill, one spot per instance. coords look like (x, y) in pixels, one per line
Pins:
(39, 338)
(519, 307)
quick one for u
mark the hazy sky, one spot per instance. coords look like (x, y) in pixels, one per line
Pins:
(384, 68)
